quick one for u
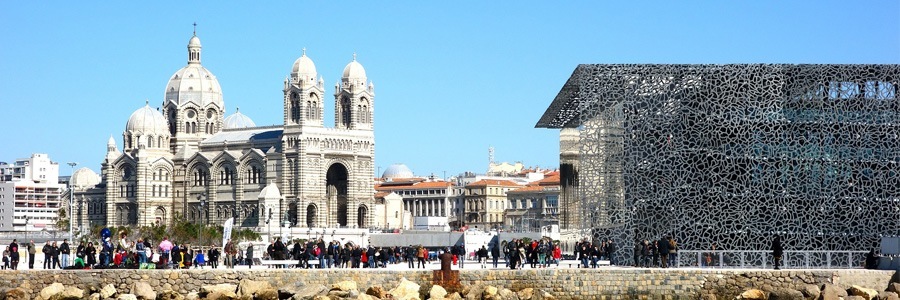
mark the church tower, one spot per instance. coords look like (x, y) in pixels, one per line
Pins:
(354, 99)
(303, 95)
(193, 105)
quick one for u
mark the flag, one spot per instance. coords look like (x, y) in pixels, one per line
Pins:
(226, 232)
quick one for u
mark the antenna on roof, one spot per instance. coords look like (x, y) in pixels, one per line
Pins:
(491, 154)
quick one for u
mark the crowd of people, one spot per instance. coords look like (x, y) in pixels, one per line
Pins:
(124, 253)
(316, 253)
(661, 253)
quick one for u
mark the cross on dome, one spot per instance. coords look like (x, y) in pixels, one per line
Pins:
(354, 55)
(195, 28)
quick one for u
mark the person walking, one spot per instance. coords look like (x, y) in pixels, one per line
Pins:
(64, 251)
(777, 251)
(32, 249)
(495, 253)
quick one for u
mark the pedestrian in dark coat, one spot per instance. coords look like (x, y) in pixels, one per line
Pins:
(663, 245)
(777, 251)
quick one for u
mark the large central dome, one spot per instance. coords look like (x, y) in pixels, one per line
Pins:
(194, 83)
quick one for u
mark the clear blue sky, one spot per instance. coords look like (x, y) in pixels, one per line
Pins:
(452, 77)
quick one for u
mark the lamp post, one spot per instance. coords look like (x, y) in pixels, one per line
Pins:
(202, 199)
(268, 222)
(71, 206)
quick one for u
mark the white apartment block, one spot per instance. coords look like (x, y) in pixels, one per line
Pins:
(30, 198)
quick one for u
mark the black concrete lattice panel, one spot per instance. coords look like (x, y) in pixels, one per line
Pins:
(733, 154)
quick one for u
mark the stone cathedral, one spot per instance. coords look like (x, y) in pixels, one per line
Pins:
(188, 159)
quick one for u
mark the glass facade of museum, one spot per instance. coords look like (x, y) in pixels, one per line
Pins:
(733, 154)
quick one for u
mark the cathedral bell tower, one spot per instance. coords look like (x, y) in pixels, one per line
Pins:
(354, 99)
(303, 95)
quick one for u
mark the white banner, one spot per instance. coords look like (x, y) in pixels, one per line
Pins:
(226, 232)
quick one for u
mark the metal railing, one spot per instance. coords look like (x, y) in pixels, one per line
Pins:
(764, 259)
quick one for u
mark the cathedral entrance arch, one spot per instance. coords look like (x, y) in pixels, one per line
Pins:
(336, 191)
(160, 216)
(311, 216)
(362, 215)
(292, 213)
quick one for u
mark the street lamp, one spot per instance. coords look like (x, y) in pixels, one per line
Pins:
(71, 205)
(202, 199)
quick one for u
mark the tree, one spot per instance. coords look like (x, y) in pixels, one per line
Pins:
(62, 219)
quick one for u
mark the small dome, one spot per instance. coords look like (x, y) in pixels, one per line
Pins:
(354, 71)
(238, 120)
(147, 121)
(304, 68)
(84, 177)
(194, 42)
(397, 171)
(270, 192)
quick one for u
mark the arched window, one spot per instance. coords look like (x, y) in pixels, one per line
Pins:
(312, 107)
(149, 141)
(346, 115)
(295, 108)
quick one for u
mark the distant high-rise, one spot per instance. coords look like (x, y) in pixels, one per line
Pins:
(30, 194)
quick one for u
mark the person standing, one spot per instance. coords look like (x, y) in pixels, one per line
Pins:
(673, 252)
(64, 252)
(32, 249)
(777, 251)
(230, 252)
(213, 256)
(91, 253)
(54, 255)
(165, 248)
(249, 256)
(611, 249)
(422, 255)
(46, 251)
(663, 245)
(6, 258)
(14, 255)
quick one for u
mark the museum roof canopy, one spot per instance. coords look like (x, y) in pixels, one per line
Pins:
(629, 81)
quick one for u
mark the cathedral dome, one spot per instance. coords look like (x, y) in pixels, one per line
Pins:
(84, 177)
(238, 120)
(147, 121)
(194, 83)
(397, 171)
(354, 71)
(304, 68)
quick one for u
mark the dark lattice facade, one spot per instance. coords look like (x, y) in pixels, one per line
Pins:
(733, 154)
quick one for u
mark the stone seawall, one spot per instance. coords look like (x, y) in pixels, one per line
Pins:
(561, 283)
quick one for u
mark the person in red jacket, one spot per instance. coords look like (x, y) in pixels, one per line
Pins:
(557, 254)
